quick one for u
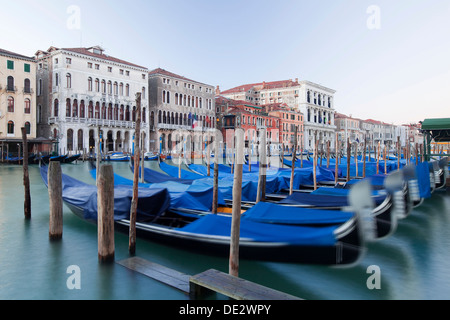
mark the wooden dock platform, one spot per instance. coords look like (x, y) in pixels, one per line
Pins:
(233, 287)
(158, 272)
(204, 283)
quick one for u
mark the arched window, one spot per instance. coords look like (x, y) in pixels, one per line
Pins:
(159, 117)
(80, 140)
(10, 84)
(127, 90)
(168, 97)
(10, 127)
(116, 112)
(69, 81)
(121, 89)
(309, 96)
(27, 86)
(110, 111)
(10, 104)
(133, 114)
(39, 114)
(56, 108)
(109, 87)
(82, 110)
(28, 127)
(39, 87)
(89, 84)
(164, 96)
(143, 92)
(75, 109)
(104, 111)
(127, 114)
(70, 140)
(97, 85)
(144, 116)
(91, 110)
(27, 106)
(116, 88)
(68, 108)
(122, 113)
(103, 86)
(97, 110)
(176, 98)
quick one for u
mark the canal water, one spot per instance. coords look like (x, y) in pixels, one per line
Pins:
(413, 263)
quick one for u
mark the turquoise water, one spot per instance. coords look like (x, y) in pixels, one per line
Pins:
(414, 263)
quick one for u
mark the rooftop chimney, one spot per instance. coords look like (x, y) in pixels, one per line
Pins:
(217, 90)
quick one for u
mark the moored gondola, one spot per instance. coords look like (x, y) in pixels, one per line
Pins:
(330, 244)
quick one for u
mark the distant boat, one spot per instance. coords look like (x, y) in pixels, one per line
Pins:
(150, 156)
(118, 156)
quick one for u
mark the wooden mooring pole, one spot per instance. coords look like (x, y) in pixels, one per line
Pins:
(261, 191)
(294, 156)
(216, 172)
(26, 176)
(237, 197)
(336, 165)
(105, 214)
(134, 201)
(348, 158)
(54, 178)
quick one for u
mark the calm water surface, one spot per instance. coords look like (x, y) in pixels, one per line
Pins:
(414, 262)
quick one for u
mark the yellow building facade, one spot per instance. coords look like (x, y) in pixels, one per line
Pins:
(17, 96)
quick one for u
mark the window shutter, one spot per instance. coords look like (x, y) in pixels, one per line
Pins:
(27, 67)
(10, 65)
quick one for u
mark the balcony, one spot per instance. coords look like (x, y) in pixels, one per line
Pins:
(11, 88)
(97, 122)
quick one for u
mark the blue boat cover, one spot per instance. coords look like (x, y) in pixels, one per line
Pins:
(151, 203)
(195, 196)
(376, 181)
(423, 177)
(153, 176)
(173, 172)
(272, 213)
(217, 225)
(325, 198)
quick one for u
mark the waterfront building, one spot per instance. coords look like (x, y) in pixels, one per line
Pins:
(349, 128)
(279, 120)
(180, 108)
(314, 101)
(289, 120)
(17, 100)
(85, 96)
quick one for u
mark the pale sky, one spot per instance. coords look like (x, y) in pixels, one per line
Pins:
(387, 60)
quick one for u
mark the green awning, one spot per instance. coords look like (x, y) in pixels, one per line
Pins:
(438, 128)
(436, 124)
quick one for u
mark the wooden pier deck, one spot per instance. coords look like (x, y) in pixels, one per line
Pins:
(205, 283)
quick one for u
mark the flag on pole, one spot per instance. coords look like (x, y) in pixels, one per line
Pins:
(194, 122)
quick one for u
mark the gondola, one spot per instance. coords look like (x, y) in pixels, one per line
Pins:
(340, 244)
(47, 159)
(118, 157)
(72, 159)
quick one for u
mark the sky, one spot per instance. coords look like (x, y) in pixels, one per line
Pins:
(387, 60)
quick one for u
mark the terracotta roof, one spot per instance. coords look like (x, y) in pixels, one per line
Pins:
(262, 86)
(166, 73)
(15, 55)
(86, 52)
(233, 102)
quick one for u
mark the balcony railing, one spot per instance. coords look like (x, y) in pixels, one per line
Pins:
(98, 122)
